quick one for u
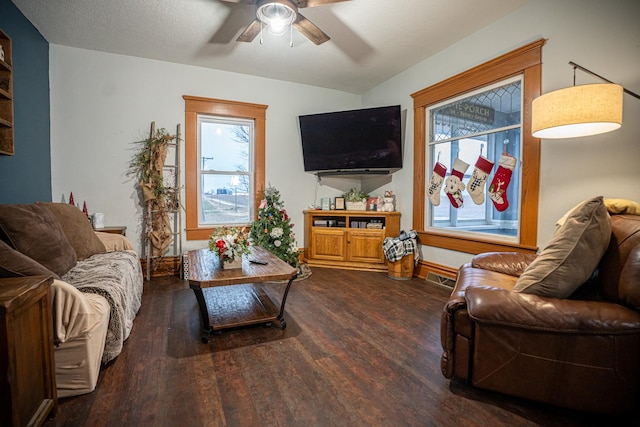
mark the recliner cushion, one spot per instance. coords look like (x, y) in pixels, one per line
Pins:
(572, 255)
(630, 280)
(616, 287)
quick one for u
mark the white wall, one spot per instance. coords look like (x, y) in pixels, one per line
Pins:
(603, 36)
(101, 103)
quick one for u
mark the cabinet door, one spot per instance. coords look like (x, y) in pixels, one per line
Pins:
(365, 246)
(328, 244)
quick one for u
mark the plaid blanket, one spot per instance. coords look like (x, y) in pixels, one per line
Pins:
(395, 249)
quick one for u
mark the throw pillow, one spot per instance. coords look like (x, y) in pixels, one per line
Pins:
(16, 264)
(35, 232)
(114, 242)
(622, 206)
(77, 228)
(572, 255)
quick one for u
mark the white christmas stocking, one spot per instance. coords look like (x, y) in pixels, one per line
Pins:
(453, 185)
(481, 172)
(500, 182)
(437, 178)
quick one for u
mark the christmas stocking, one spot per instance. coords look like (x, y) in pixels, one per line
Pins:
(437, 178)
(453, 185)
(500, 182)
(475, 186)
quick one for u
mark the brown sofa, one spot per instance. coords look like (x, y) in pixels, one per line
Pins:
(97, 287)
(580, 352)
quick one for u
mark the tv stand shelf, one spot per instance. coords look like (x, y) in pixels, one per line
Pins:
(348, 239)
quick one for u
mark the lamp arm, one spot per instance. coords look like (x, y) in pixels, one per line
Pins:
(574, 65)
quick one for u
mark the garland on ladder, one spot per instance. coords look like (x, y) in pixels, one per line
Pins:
(147, 165)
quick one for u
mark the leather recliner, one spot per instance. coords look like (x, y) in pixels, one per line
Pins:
(582, 352)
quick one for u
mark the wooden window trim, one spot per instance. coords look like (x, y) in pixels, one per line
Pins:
(218, 107)
(526, 61)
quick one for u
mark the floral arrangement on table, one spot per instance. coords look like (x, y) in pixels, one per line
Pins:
(230, 243)
(273, 229)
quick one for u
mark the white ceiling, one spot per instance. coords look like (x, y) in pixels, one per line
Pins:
(371, 40)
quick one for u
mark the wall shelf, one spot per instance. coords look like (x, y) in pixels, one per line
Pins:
(6, 97)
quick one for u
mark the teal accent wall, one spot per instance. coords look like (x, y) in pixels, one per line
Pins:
(25, 177)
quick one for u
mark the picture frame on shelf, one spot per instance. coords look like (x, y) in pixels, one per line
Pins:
(372, 204)
(325, 203)
(339, 203)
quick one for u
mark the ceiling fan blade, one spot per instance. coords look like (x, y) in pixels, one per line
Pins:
(250, 32)
(312, 3)
(235, 23)
(309, 30)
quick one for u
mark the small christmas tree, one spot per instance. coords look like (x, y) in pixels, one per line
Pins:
(273, 231)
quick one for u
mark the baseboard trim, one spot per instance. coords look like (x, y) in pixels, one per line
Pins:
(423, 269)
(165, 266)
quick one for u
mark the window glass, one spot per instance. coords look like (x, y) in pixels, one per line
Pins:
(225, 170)
(484, 123)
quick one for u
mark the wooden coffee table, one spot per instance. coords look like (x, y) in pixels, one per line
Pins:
(234, 297)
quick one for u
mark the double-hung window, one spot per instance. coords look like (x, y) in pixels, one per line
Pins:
(226, 171)
(224, 163)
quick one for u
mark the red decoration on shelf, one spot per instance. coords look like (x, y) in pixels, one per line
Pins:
(71, 202)
(84, 209)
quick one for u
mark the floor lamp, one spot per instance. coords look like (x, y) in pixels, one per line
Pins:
(579, 110)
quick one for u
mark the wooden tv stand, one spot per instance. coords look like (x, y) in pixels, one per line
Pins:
(345, 239)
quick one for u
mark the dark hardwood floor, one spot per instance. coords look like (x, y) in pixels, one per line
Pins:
(359, 349)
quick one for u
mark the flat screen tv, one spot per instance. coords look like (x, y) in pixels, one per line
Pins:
(364, 141)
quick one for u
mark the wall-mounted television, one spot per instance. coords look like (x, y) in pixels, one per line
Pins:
(364, 141)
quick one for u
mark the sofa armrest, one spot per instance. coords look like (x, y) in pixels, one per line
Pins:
(511, 263)
(454, 322)
(114, 242)
(525, 311)
(74, 313)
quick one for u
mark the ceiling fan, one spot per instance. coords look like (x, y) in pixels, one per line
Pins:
(278, 15)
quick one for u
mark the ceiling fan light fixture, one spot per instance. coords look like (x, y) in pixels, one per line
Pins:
(276, 16)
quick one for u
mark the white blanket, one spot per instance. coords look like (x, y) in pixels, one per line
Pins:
(117, 276)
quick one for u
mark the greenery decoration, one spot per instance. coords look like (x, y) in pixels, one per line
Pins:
(147, 164)
(229, 243)
(355, 195)
(273, 230)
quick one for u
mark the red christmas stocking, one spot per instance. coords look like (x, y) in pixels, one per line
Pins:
(481, 172)
(437, 178)
(453, 185)
(500, 182)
